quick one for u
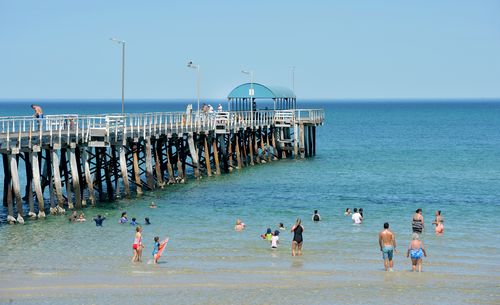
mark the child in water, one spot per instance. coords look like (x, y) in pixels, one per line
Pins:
(156, 248)
(133, 222)
(275, 239)
(124, 218)
(268, 235)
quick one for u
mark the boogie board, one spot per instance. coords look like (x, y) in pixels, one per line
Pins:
(162, 247)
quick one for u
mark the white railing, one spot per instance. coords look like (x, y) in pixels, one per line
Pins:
(75, 128)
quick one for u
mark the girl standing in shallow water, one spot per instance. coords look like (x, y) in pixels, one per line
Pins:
(137, 246)
(439, 223)
(297, 230)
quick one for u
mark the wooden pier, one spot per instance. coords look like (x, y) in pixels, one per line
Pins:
(71, 160)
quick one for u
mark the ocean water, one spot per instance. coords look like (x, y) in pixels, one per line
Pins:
(389, 158)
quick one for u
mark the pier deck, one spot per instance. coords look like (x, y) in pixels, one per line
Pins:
(80, 159)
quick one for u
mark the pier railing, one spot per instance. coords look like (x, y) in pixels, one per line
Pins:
(81, 128)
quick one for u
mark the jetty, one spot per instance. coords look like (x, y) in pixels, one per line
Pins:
(82, 159)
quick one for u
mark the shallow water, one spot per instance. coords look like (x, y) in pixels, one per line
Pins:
(389, 158)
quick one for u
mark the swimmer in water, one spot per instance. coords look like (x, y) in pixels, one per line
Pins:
(99, 220)
(133, 222)
(268, 235)
(275, 240)
(281, 226)
(153, 205)
(416, 250)
(347, 212)
(137, 246)
(297, 241)
(146, 221)
(239, 226)
(81, 218)
(124, 218)
(316, 217)
(439, 223)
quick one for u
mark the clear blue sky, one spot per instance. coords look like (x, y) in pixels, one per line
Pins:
(341, 49)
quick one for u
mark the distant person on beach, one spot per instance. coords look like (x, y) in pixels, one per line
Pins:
(297, 241)
(133, 222)
(137, 246)
(281, 226)
(356, 217)
(239, 226)
(417, 223)
(360, 210)
(415, 251)
(124, 218)
(438, 221)
(316, 216)
(347, 212)
(387, 242)
(38, 111)
(98, 220)
(275, 240)
(146, 221)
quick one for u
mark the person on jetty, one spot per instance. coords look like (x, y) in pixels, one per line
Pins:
(316, 217)
(387, 242)
(415, 251)
(137, 246)
(98, 220)
(356, 217)
(417, 223)
(438, 221)
(146, 221)
(133, 222)
(297, 241)
(124, 218)
(347, 212)
(275, 240)
(239, 226)
(38, 111)
(268, 235)
(219, 108)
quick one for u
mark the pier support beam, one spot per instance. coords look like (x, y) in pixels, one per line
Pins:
(194, 155)
(57, 178)
(207, 155)
(35, 168)
(123, 170)
(149, 164)
(75, 178)
(237, 149)
(302, 146)
(29, 185)
(88, 177)
(16, 186)
(137, 174)
(216, 154)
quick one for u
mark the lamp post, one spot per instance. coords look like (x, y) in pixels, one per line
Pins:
(250, 92)
(197, 67)
(122, 42)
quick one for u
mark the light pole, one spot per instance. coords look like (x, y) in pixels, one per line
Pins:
(197, 67)
(122, 42)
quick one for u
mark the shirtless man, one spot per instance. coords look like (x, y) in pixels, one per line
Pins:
(387, 242)
(38, 111)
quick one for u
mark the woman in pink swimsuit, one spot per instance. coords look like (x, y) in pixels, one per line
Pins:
(137, 246)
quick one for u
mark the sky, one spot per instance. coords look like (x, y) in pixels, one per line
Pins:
(340, 49)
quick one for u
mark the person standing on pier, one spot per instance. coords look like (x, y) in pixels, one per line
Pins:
(38, 111)
(387, 242)
(297, 230)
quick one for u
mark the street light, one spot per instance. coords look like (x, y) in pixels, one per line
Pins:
(197, 67)
(250, 92)
(122, 42)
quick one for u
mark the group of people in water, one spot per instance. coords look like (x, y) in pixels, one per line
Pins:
(387, 238)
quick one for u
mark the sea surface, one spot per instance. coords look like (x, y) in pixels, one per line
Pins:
(388, 157)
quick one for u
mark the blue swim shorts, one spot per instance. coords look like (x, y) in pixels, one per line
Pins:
(387, 252)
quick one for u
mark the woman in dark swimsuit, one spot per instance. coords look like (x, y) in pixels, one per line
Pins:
(417, 223)
(297, 230)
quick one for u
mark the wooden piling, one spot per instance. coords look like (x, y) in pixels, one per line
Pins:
(230, 150)
(237, 150)
(180, 158)
(275, 150)
(107, 175)
(29, 184)
(88, 177)
(57, 178)
(314, 140)
(137, 174)
(194, 154)
(302, 141)
(35, 168)
(16, 186)
(207, 155)
(168, 149)
(124, 171)
(216, 154)
(257, 131)
(157, 148)
(250, 145)
(65, 174)
(149, 164)
(75, 178)
(98, 173)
